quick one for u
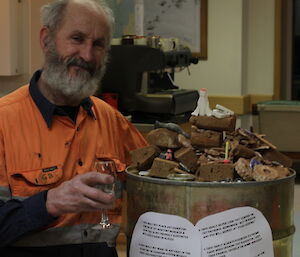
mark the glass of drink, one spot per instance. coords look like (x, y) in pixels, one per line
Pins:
(105, 166)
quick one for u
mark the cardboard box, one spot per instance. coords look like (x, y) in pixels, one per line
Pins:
(280, 122)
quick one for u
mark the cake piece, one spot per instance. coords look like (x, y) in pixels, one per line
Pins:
(162, 168)
(205, 138)
(185, 142)
(275, 155)
(202, 159)
(215, 171)
(238, 150)
(188, 157)
(242, 167)
(142, 158)
(163, 138)
(215, 151)
(213, 123)
(265, 173)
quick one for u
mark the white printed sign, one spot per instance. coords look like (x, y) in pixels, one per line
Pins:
(237, 232)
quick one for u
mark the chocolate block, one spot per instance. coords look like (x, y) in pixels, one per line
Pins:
(187, 157)
(142, 158)
(163, 138)
(205, 138)
(214, 171)
(162, 168)
(213, 123)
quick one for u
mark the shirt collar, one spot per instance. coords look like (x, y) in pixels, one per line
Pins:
(47, 109)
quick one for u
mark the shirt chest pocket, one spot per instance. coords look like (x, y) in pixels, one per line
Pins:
(30, 182)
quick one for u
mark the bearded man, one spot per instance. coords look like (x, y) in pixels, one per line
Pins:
(51, 132)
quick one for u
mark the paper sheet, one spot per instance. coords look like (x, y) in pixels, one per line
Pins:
(158, 235)
(237, 232)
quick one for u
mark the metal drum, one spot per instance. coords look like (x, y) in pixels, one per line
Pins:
(196, 200)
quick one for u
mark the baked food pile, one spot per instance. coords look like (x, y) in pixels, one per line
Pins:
(213, 151)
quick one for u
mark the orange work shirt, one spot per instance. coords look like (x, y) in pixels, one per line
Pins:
(34, 157)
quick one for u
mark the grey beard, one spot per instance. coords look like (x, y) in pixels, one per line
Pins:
(73, 89)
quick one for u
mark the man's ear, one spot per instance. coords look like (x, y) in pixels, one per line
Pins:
(44, 38)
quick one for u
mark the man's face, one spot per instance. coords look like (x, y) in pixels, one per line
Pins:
(75, 57)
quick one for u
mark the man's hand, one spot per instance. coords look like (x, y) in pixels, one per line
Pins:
(80, 195)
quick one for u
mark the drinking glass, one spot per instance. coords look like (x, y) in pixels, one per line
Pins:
(105, 166)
